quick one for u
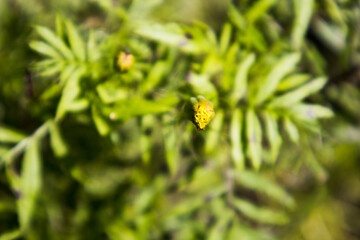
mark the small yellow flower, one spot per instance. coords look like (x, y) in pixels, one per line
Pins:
(125, 61)
(203, 112)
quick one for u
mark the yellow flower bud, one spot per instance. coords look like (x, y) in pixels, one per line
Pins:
(125, 61)
(203, 112)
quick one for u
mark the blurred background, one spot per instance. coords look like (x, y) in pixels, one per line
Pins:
(129, 164)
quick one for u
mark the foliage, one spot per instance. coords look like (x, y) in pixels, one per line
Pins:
(104, 137)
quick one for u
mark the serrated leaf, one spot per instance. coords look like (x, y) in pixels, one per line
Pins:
(295, 96)
(258, 183)
(303, 12)
(284, 66)
(273, 135)
(291, 130)
(261, 214)
(254, 138)
(9, 135)
(236, 128)
(101, 125)
(55, 41)
(30, 183)
(241, 78)
(76, 42)
(56, 140)
(45, 49)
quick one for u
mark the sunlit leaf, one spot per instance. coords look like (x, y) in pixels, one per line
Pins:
(30, 183)
(284, 66)
(273, 135)
(303, 13)
(299, 94)
(76, 42)
(101, 125)
(292, 81)
(254, 138)
(258, 183)
(171, 141)
(225, 38)
(55, 41)
(9, 135)
(56, 140)
(261, 214)
(44, 49)
(236, 128)
(291, 130)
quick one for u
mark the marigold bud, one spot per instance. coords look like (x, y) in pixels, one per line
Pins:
(125, 61)
(203, 112)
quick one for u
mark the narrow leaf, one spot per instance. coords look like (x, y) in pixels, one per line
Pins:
(258, 183)
(225, 38)
(45, 49)
(299, 94)
(258, 10)
(292, 130)
(101, 125)
(55, 41)
(254, 138)
(76, 42)
(30, 183)
(236, 128)
(261, 214)
(284, 66)
(303, 12)
(292, 81)
(9, 135)
(56, 140)
(171, 144)
(310, 111)
(241, 77)
(273, 135)
(214, 132)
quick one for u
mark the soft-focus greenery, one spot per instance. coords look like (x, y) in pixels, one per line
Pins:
(94, 145)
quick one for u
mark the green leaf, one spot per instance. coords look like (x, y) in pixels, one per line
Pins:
(235, 16)
(156, 74)
(246, 233)
(273, 135)
(92, 50)
(12, 235)
(292, 130)
(225, 38)
(109, 92)
(30, 183)
(258, 10)
(171, 141)
(9, 135)
(55, 41)
(261, 214)
(101, 125)
(76, 42)
(202, 85)
(284, 66)
(52, 70)
(56, 140)
(214, 132)
(258, 183)
(236, 128)
(292, 81)
(310, 111)
(241, 77)
(139, 106)
(218, 231)
(146, 140)
(303, 12)
(70, 93)
(254, 138)
(45, 49)
(295, 96)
